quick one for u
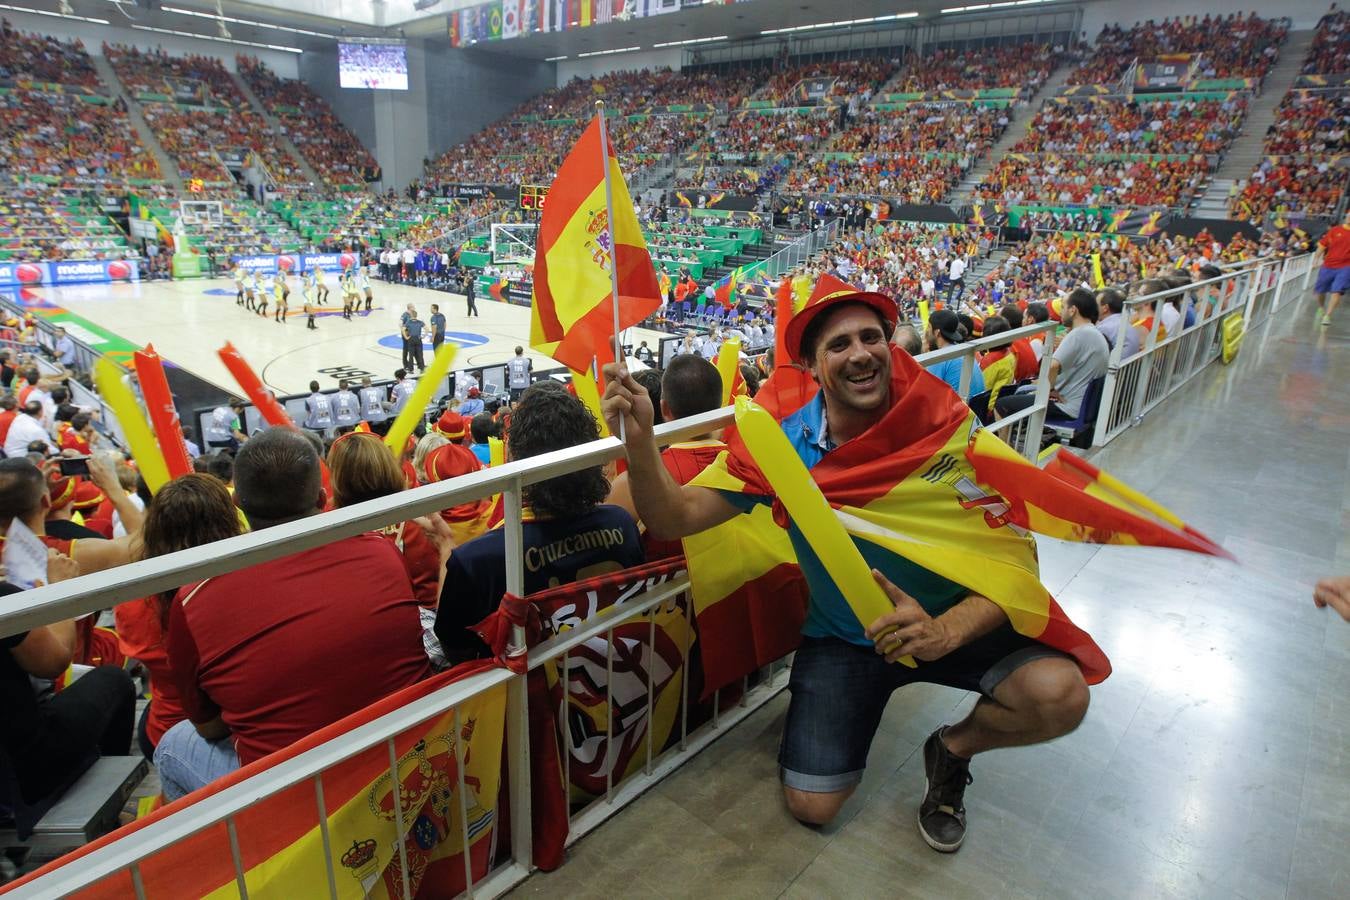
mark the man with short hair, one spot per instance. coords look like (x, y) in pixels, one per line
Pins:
(400, 391)
(224, 430)
(318, 411)
(437, 328)
(1111, 322)
(841, 682)
(374, 408)
(27, 429)
(346, 407)
(1333, 279)
(907, 338)
(469, 288)
(945, 330)
(481, 428)
(412, 333)
(1080, 356)
(9, 410)
(409, 313)
(25, 495)
(518, 373)
(269, 654)
(64, 348)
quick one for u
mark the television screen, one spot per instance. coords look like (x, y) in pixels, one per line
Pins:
(381, 67)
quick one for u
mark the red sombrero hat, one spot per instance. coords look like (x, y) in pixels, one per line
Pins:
(448, 461)
(450, 424)
(831, 291)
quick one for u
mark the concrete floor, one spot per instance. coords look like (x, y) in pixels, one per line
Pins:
(1215, 762)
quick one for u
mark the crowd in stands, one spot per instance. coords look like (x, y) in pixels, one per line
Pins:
(26, 58)
(859, 78)
(307, 119)
(193, 136)
(45, 222)
(1233, 46)
(65, 135)
(1311, 187)
(1025, 65)
(1112, 126)
(156, 72)
(906, 177)
(1330, 51)
(1069, 179)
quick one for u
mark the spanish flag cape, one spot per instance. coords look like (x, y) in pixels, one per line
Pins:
(928, 485)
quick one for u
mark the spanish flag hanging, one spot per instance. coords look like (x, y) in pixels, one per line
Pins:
(582, 259)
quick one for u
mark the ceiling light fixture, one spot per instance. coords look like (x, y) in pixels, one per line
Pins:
(54, 15)
(256, 24)
(720, 37)
(211, 37)
(554, 58)
(842, 23)
(608, 52)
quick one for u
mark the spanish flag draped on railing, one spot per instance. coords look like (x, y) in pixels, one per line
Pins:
(582, 259)
(928, 486)
(448, 777)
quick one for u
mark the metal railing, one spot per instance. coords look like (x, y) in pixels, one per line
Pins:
(1136, 385)
(97, 591)
(801, 250)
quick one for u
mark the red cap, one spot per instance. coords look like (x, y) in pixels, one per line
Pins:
(831, 291)
(475, 392)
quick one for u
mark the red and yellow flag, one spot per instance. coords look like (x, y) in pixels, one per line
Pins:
(572, 317)
(927, 486)
(281, 846)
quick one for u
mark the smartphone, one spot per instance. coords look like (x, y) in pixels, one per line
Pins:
(74, 465)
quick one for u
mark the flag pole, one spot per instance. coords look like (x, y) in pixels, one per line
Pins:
(613, 246)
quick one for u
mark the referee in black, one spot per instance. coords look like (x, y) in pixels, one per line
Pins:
(468, 295)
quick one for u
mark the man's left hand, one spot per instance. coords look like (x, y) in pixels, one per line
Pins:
(908, 630)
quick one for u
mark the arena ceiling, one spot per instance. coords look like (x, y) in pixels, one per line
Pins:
(310, 23)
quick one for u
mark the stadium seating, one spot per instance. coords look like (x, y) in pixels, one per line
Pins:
(75, 135)
(1234, 46)
(39, 59)
(1330, 51)
(155, 75)
(48, 222)
(1139, 126)
(1024, 66)
(327, 144)
(195, 137)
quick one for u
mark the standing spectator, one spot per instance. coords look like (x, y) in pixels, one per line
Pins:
(437, 328)
(253, 651)
(1334, 277)
(956, 279)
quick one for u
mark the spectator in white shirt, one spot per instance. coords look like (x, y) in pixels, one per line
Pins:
(27, 428)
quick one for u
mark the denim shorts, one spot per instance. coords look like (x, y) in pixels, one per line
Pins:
(839, 691)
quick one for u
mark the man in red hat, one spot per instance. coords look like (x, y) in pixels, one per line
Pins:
(451, 426)
(468, 520)
(841, 681)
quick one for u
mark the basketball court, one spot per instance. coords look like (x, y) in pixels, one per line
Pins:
(187, 321)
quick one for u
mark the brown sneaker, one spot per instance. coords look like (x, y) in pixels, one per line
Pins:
(942, 815)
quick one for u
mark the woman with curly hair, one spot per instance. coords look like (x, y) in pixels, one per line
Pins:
(569, 532)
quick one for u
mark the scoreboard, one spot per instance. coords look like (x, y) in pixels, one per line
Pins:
(532, 196)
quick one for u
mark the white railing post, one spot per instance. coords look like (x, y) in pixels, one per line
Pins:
(517, 697)
(1031, 447)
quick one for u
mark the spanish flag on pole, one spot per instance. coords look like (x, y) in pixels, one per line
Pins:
(944, 508)
(584, 264)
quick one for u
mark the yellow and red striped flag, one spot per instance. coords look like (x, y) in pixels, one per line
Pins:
(572, 317)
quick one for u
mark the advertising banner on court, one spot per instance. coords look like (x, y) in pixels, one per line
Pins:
(86, 271)
(331, 262)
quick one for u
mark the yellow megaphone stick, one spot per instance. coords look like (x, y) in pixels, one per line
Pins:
(923, 313)
(588, 392)
(728, 364)
(140, 439)
(811, 513)
(496, 451)
(416, 407)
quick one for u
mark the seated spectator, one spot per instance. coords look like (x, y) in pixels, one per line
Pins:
(266, 655)
(1080, 356)
(25, 495)
(187, 512)
(945, 330)
(1110, 309)
(568, 530)
(481, 428)
(49, 738)
(999, 364)
(689, 386)
(361, 468)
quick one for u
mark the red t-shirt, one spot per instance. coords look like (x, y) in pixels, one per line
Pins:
(683, 462)
(72, 440)
(6, 420)
(1337, 244)
(287, 647)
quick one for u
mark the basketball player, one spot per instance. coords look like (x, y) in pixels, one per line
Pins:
(282, 293)
(238, 285)
(363, 281)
